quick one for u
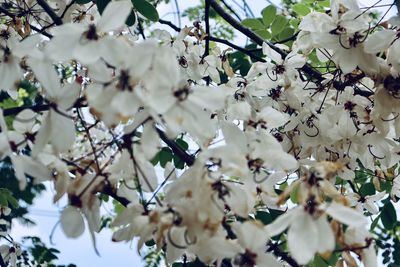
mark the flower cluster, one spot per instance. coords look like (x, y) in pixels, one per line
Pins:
(284, 138)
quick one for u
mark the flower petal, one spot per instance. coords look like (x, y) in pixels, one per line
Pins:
(72, 222)
(303, 238)
(346, 215)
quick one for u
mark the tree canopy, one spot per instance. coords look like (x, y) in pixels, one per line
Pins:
(281, 150)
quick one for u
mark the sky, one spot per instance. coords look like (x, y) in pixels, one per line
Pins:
(80, 251)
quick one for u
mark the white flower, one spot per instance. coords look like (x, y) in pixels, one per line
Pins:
(309, 233)
(85, 43)
(366, 202)
(253, 239)
(72, 222)
(57, 128)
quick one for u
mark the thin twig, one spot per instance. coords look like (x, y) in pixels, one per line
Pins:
(57, 20)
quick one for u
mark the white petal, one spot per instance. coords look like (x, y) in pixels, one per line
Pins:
(42, 137)
(24, 121)
(62, 132)
(251, 236)
(326, 238)
(346, 215)
(281, 223)
(267, 260)
(303, 238)
(234, 136)
(72, 222)
(114, 15)
(272, 54)
(176, 235)
(272, 117)
(89, 52)
(379, 41)
(35, 169)
(46, 75)
(149, 141)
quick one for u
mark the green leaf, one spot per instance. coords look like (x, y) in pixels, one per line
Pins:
(286, 33)
(374, 223)
(275, 213)
(360, 176)
(325, 3)
(131, 19)
(178, 162)
(3, 201)
(13, 202)
(279, 24)
(150, 243)
(118, 207)
(266, 35)
(264, 217)
(268, 14)
(388, 215)
(301, 9)
(156, 159)
(294, 194)
(165, 156)
(182, 143)
(396, 254)
(101, 5)
(294, 23)
(82, 2)
(253, 24)
(367, 189)
(146, 9)
(319, 262)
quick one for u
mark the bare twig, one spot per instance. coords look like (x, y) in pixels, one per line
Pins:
(57, 20)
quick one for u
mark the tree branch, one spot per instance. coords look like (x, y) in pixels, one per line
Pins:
(38, 108)
(170, 24)
(207, 22)
(12, 15)
(258, 40)
(231, 10)
(241, 49)
(218, 40)
(274, 248)
(188, 159)
(16, 110)
(57, 20)
(308, 69)
(110, 191)
(2, 263)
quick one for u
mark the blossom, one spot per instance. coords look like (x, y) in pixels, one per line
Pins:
(309, 231)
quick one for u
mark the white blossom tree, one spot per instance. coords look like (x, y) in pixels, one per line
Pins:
(281, 152)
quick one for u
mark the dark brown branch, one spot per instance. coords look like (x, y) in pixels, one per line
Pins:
(2, 263)
(218, 40)
(188, 159)
(308, 69)
(241, 49)
(38, 108)
(274, 248)
(258, 40)
(6, 12)
(231, 10)
(66, 8)
(170, 24)
(16, 110)
(13, 16)
(110, 191)
(340, 86)
(207, 22)
(57, 20)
